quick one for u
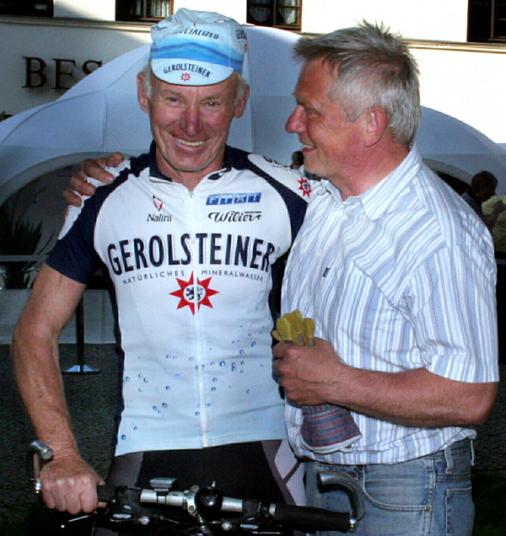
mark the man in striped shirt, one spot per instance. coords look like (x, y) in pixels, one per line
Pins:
(399, 276)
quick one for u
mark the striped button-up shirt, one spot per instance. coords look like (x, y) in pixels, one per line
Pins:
(398, 278)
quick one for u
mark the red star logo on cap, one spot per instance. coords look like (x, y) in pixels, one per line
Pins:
(185, 77)
(190, 294)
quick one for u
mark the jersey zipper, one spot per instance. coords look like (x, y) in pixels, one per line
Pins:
(199, 360)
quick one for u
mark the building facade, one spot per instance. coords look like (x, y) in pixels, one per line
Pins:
(460, 44)
(49, 45)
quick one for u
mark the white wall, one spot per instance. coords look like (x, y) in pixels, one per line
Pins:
(89, 9)
(70, 40)
(232, 8)
(470, 86)
(443, 20)
(106, 9)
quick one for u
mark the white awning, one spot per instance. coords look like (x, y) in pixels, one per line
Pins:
(100, 114)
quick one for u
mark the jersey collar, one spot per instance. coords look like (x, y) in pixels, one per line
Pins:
(155, 172)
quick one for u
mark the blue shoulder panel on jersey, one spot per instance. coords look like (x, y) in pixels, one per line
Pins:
(295, 205)
(137, 165)
(74, 254)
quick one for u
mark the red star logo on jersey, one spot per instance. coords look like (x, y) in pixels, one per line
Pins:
(190, 294)
(185, 77)
(305, 187)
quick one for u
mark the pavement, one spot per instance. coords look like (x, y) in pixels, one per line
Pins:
(92, 400)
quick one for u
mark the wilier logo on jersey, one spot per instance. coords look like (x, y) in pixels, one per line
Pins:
(234, 216)
(191, 294)
(305, 187)
(234, 199)
(153, 217)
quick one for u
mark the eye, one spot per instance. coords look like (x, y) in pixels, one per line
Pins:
(212, 103)
(171, 100)
(310, 112)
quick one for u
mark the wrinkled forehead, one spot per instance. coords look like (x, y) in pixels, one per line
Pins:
(316, 78)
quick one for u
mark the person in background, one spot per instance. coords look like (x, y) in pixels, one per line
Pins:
(495, 215)
(297, 160)
(482, 187)
(398, 274)
(192, 234)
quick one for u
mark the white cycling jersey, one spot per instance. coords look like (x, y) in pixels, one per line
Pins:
(192, 272)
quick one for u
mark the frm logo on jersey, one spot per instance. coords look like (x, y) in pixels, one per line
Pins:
(190, 294)
(234, 199)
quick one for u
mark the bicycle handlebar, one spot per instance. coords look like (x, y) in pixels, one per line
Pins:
(207, 504)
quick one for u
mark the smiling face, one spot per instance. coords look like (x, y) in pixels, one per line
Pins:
(330, 141)
(190, 125)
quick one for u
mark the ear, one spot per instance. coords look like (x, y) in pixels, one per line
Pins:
(241, 105)
(375, 124)
(141, 93)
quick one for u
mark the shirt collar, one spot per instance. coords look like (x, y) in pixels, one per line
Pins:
(376, 200)
(380, 197)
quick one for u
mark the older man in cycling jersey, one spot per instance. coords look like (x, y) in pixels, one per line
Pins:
(192, 285)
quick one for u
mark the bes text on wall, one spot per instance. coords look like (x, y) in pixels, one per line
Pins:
(61, 74)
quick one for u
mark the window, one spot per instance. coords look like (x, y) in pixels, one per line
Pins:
(143, 10)
(280, 13)
(39, 8)
(487, 21)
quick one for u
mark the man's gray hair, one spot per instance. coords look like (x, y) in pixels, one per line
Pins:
(373, 67)
(147, 73)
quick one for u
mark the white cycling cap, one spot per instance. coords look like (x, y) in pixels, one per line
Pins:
(197, 48)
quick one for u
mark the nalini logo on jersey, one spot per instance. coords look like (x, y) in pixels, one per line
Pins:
(193, 294)
(234, 199)
(158, 217)
(305, 187)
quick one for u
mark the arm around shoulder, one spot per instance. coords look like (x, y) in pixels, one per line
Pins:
(97, 171)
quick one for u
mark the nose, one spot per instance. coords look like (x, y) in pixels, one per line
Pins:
(190, 120)
(295, 122)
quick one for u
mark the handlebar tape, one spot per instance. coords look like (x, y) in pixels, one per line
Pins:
(312, 518)
(105, 493)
